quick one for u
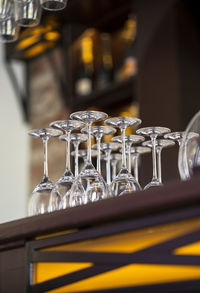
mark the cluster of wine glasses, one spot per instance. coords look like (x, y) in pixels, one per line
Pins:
(88, 185)
(25, 13)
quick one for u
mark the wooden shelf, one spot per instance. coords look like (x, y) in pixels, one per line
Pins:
(115, 236)
(173, 196)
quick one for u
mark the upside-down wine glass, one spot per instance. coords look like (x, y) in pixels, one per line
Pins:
(39, 201)
(89, 186)
(76, 139)
(179, 136)
(27, 12)
(160, 144)
(136, 151)
(124, 182)
(99, 132)
(153, 133)
(129, 140)
(5, 6)
(107, 148)
(53, 5)
(62, 188)
(9, 30)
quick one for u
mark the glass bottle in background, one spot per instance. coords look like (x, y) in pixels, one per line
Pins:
(127, 67)
(85, 72)
(105, 70)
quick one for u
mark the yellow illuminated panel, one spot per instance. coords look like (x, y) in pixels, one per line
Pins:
(47, 271)
(133, 275)
(191, 249)
(132, 241)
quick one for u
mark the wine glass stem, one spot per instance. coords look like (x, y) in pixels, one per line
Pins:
(154, 159)
(159, 149)
(129, 157)
(123, 130)
(68, 164)
(179, 141)
(45, 141)
(114, 168)
(108, 179)
(136, 155)
(89, 158)
(98, 139)
(76, 146)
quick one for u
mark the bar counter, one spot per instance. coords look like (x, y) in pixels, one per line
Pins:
(143, 242)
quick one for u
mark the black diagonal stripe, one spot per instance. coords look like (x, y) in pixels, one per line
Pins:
(120, 259)
(70, 278)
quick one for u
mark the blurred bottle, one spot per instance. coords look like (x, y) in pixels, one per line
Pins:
(85, 72)
(128, 65)
(105, 70)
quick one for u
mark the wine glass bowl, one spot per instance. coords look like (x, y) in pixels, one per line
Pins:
(189, 150)
(63, 186)
(89, 186)
(27, 12)
(40, 197)
(124, 182)
(153, 133)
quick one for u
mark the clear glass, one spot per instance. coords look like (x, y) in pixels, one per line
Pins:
(89, 186)
(53, 5)
(107, 148)
(178, 137)
(114, 160)
(5, 8)
(153, 133)
(76, 139)
(62, 188)
(99, 132)
(82, 153)
(9, 30)
(124, 182)
(189, 151)
(136, 151)
(160, 144)
(39, 200)
(129, 140)
(27, 12)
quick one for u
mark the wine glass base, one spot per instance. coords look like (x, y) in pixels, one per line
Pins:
(153, 184)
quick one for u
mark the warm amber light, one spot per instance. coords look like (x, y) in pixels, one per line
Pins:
(38, 49)
(52, 36)
(87, 49)
(27, 42)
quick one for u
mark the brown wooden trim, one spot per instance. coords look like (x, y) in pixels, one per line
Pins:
(172, 196)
